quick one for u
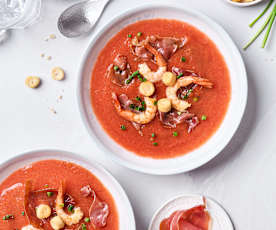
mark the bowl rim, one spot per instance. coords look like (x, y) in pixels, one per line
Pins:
(53, 152)
(244, 4)
(85, 56)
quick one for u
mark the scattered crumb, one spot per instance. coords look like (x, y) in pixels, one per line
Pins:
(32, 81)
(57, 73)
(60, 97)
(49, 58)
(53, 111)
(52, 36)
(42, 55)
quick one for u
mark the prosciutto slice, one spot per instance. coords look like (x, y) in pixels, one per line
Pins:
(99, 210)
(172, 119)
(177, 71)
(125, 103)
(32, 199)
(167, 46)
(196, 218)
(119, 76)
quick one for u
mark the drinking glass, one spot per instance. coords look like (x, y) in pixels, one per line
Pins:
(18, 14)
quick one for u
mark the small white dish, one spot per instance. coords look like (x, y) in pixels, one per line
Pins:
(125, 212)
(220, 219)
(232, 119)
(243, 4)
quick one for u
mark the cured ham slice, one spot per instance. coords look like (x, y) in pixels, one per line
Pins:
(196, 218)
(99, 210)
(166, 46)
(32, 199)
(171, 119)
(119, 71)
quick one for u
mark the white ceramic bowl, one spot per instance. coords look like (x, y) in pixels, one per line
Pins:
(125, 212)
(230, 123)
(244, 3)
(220, 219)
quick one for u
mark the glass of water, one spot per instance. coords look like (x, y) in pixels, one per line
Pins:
(18, 14)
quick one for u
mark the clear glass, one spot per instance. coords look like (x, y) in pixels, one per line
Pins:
(18, 14)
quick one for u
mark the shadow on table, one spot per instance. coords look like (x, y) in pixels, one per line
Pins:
(243, 133)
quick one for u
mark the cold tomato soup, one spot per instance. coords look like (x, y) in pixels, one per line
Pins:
(53, 194)
(160, 88)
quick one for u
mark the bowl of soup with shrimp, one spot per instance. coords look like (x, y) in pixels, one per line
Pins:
(53, 189)
(162, 89)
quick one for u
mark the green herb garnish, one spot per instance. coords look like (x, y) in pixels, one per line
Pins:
(183, 59)
(8, 217)
(180, 75)
(70, 208)
(49, 194)
(138, 98)
(132, 76)
(262, 14)
(175, 134)
(129, 35)
(123, 127)
(195, 99)
(155, 143)
(203, 118)
(116, 67)
(23, 213)
(83, 227)
(86, 219)
(153, 135)
(269, 21)
(139, 34)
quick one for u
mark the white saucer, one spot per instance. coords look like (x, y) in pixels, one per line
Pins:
(220, 219)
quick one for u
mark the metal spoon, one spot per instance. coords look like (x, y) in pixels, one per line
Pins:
(81, 17)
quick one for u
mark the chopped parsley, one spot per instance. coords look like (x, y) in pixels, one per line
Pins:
(86, 219)
(70, 208)
(8, 217)
(123, 127)
(49, 194)
(180, 75)
(175, 134)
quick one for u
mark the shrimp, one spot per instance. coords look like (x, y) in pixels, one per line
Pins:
(140, 118)
(67, 219)
(147, 72)
(171, 92)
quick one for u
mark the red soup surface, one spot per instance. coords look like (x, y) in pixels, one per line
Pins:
(46, 177)
(198, 57)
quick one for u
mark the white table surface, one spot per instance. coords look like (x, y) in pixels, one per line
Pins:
(241, 178)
